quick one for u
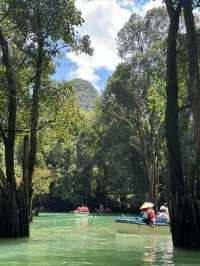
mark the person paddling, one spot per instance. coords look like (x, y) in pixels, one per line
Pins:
(148, 213)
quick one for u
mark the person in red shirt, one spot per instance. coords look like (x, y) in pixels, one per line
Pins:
(150, 216)
(85, 209)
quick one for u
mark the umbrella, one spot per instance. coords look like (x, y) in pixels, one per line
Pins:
(146, 205)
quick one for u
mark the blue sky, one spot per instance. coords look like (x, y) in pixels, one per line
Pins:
(103, 20)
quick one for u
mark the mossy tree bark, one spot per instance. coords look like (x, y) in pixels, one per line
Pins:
(34, 122)
(190, 203)
(172, 134)
(10, 197)
(184, 200)
(193, 84)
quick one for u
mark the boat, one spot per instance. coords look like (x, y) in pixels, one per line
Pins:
(81, 214)
(129, 225)
(82, 211)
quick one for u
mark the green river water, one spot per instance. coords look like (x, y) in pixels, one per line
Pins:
(62, 239)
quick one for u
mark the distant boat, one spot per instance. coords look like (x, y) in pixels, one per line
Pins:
(128, 225)
(81, 214)
(82, 211)
(102, 210)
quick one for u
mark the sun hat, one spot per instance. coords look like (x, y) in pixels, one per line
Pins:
(146, 205)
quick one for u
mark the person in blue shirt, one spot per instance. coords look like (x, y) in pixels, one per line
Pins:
(162, 216)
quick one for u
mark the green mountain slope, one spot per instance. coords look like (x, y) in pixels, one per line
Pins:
(85, 92)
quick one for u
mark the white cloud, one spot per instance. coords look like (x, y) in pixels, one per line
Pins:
(103, 20)
(127, 3)
(152, 4)
(139, 8)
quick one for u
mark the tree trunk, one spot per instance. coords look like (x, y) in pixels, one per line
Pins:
(185, 215)
(194, 84)
(9, 205)
(172, 110)
(9, 199)
(34, 123)
(185, 208)
(172, 134)
(24, 195)
(184, 203)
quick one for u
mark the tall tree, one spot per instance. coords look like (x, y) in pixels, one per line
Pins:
(46, 26)
(194, 85)
(38, 30)
(139, 105)
(8, 210)
(140, 42)
(172, 111)
(184, 198)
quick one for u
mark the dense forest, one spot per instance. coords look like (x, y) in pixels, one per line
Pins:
(117, 154)
(62, 144)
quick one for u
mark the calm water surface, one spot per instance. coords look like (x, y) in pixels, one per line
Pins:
(61, 239)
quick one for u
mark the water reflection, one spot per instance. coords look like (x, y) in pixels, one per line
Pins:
(184, 257)
(155, 250)
(81, 223)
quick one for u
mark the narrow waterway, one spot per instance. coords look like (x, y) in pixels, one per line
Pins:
(62, 239)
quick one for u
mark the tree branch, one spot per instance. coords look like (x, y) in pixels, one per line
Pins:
(123, 118)
(23, 130)
(179, 7)
(21, 63)
(170, 7)
(30, 80)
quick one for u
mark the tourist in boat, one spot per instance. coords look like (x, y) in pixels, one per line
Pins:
(150, 216)
(147, 212)
(78, 209)
(162, 216)
(166, 208)
(143, 215)
(108, 210)
(100, 209)
(83, 208)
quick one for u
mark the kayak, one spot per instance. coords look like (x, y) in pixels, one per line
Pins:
(128, 225)
(81, 214)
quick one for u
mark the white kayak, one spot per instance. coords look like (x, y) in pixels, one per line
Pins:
(81, 214)
(128, 225)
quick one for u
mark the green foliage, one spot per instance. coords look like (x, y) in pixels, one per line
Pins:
(41, 181)
(38, 30)
(50, 23)
(140, 34)
(116, 153)
(94, 149)
(115, 148)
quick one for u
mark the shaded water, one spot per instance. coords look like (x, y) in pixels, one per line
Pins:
(61, 239)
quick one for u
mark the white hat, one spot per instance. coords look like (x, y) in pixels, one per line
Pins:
(163, 208)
